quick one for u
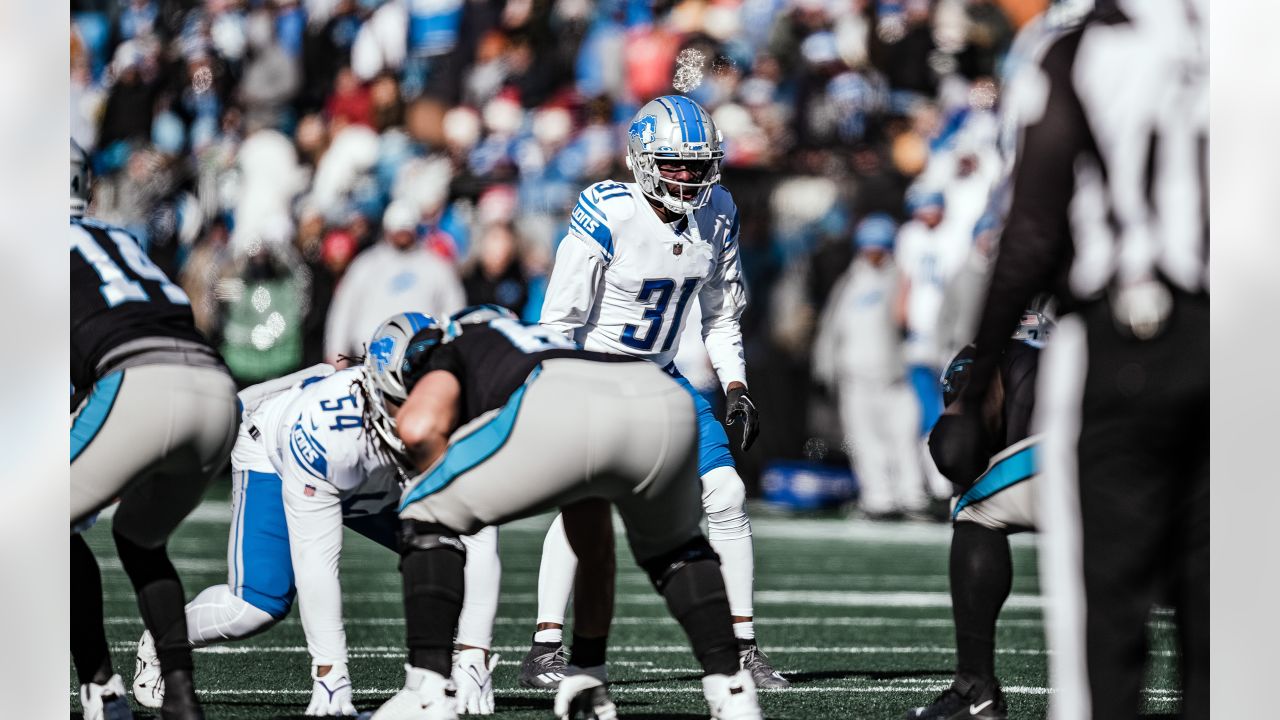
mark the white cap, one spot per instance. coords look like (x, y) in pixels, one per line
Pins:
(400, 215)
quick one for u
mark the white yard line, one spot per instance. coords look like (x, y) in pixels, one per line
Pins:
(662, 619)
(624, 690)
(398, 651)
(765, 526)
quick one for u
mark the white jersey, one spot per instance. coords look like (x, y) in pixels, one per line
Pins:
(624, 281)
(312, 433)
(314, 436)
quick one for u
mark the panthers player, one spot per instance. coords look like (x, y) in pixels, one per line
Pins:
(624, 277)
(992, 468)
(487, 397)
(153, 419)
(317, 450)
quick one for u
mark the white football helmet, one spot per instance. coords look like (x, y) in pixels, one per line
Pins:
(384, 361)
(79, 180)
(673, 127)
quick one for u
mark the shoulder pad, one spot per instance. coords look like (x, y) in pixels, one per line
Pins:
(599, 209)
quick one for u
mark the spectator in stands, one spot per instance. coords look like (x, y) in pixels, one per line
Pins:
(859, 355)
(394, 274)
(496, 274)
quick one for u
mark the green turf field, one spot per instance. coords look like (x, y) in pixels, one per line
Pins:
(857, 617)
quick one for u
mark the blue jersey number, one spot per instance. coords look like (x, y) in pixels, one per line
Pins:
(662, 289)
(341, 422)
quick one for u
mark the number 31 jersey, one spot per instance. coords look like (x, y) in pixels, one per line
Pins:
(118, 295)
(624, 281)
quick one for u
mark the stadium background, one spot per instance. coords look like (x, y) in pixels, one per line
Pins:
(255, 144)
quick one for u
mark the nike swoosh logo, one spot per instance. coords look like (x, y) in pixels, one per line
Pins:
(975, 709)
(475, 676)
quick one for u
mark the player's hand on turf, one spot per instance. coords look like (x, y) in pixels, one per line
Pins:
(331, 694)
(740, 406)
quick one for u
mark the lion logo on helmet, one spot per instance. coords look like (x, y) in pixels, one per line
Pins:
(644, 129)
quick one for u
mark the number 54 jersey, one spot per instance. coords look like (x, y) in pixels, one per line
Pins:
(624, 281)
(313, 436)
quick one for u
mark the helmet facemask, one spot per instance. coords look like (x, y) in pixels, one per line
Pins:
(655, 185)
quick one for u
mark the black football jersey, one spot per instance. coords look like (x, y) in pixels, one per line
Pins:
(117, 295)
(1018, 369)
(492, 360)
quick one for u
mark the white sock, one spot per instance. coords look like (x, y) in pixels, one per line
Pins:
(218, 615)
(553, 635)
(729, 531)
(483, 573)
(744, 630)
(555, 576)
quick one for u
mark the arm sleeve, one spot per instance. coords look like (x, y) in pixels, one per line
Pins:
(1036, 243)
(572, 287)
(315, 546)
(723, 298)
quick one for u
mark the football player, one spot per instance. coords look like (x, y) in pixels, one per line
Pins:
(993, 467)
(153, 419)
(317, 450)
(487, 397)
(635, 257)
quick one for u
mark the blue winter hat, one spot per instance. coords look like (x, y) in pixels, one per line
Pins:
(920, 200)
(876, 230)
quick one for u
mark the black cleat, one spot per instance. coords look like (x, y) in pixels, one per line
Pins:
(180, 697)
(543, 668)
(965, 700)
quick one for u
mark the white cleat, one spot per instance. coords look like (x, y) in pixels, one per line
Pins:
(148, 683)
(105, 702)
(426, 696)
(331, 694)
(583, 694)
(732, 697)
(473, 678)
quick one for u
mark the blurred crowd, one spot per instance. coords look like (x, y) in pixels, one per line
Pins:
(307, 167)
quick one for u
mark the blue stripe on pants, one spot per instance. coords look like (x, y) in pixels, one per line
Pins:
(266, 576)
(93, 415)
(1004, 474)
(713, 441)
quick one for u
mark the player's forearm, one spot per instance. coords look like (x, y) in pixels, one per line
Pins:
(315, 546)
(724, 347)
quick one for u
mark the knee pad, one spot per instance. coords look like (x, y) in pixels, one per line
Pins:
(416, 535)
(724, 501)
(662, 567)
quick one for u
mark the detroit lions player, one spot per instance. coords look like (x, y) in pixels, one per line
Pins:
(317, 450)
(153, 419)
(635, 256)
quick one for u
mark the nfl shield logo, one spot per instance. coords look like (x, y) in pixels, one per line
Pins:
(677, 249)
(309, 490)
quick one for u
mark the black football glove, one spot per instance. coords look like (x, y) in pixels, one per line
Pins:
(739, 404)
